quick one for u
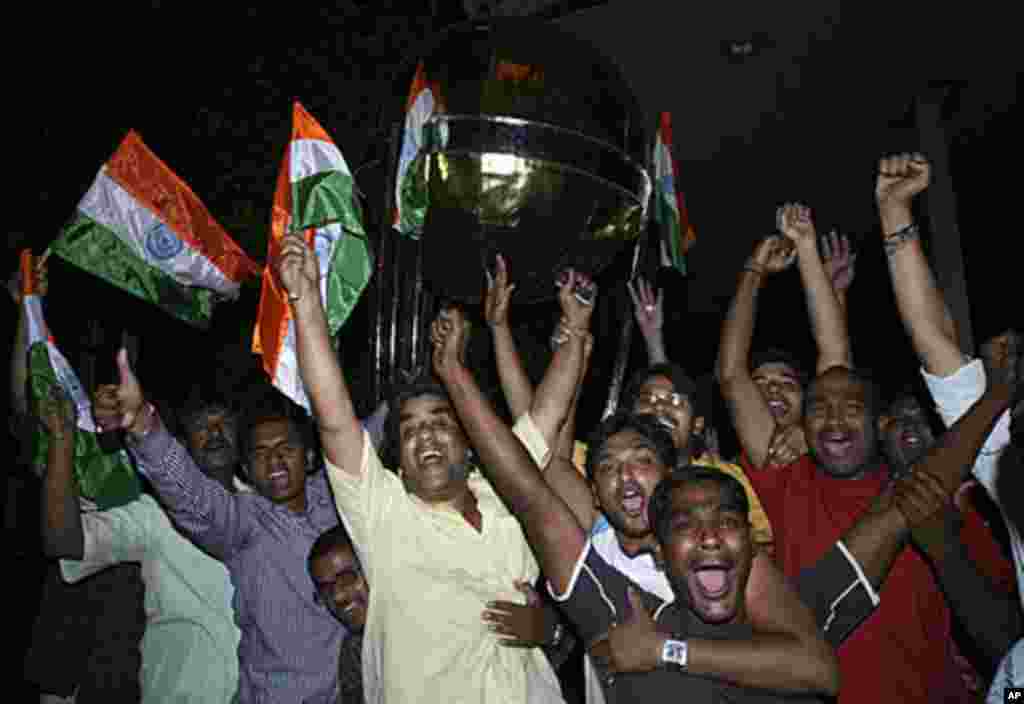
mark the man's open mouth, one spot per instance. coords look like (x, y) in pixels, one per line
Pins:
(713, 579)
(633, 500)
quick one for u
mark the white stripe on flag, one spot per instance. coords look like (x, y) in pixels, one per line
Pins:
(66, 377)
(286, 375)
(109, 205)
(314, 156)
(324, 240)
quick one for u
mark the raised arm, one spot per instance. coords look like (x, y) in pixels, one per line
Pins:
(61, 520)
(955, 451)
(341, 434)
(200, 506)
(515, 384)
(554, 396)
(921, 305)
(828, 323)
(649, 311)
(750, 415)
(551, 529)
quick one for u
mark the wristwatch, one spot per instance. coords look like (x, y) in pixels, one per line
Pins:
(557, 636)
(674, 654)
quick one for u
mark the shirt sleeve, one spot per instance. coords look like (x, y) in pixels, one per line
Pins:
(954, 395)
(200, 506)
(594, 597)
(122, 534)
(364, 500)
(838, 592)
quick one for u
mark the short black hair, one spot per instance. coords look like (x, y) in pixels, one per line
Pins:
(776, 355)
(682, 383)
(391, 449)
(336, 537)
(646, 425)
(199, 403)
(300, 427)
(659, 510)
(872, 391)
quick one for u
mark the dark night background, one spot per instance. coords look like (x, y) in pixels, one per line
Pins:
(804, 117)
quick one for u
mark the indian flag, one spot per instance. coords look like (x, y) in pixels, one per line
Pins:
(315, 194)
(677, 234)
(141, 228)
(106, 480)
(410, 180)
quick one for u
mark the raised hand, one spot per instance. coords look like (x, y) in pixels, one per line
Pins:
(42, 280)
(120, 406)
(57, 412)
(499, 293)
(576, 295)
(928, 509)
(772, 255)
(900, 178)
(448, 334)
(786, 447)
(1001, 356)
(839, 259)
(795, 222)
(297, 268)
(648, 309)
(518, 625)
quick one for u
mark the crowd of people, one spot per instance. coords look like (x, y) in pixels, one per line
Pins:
(443, 554)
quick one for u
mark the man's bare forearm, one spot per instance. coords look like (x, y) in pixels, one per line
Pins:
(738, 328)
(828, 323)
(554, 395)
(766, 661)
(340, 432)
(19, 365)
(921, 305)
(62, 522)
(876, 540)
(515, 384)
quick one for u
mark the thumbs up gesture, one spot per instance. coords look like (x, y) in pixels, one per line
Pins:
(120, 406)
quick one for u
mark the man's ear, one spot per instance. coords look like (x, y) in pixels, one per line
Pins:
(883, 423)
(698, 425)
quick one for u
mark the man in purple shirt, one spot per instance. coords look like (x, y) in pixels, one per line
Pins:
(290, 643)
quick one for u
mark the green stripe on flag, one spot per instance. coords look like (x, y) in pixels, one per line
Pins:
(415, 197)
(93, 247)
(323, 198)
(671, 234)
(347, 276)
(108, 480)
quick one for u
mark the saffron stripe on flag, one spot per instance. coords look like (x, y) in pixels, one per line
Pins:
(155, 187)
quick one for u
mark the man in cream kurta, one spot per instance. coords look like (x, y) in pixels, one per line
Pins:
(432, 575)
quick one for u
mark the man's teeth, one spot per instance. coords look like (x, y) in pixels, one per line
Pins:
(667, 422)
(430, 455)
(632, 501)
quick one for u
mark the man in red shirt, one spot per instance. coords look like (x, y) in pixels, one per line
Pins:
(841, 496)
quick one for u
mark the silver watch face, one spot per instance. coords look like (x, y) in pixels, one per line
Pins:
(674, 653)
